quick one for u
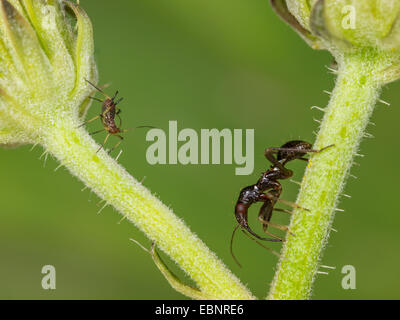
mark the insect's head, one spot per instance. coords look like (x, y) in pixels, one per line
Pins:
(296, 149)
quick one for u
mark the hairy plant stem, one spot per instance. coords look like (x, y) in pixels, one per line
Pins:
(77, 151)
(344, 123)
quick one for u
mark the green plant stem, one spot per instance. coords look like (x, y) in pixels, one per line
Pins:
(77, 151)
(344, 123)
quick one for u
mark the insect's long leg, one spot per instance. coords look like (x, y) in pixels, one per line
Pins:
(89, 121)
(105, 141)
(274, 236)
(291, 204)
(98, 131)
(276, 226)
(117, 144)
(97, 88)
(119, 117)
(96, 99)
(269, 154)
(265, 216)
(265, 213)
(302, 151)
(327, 147)
(283, 210)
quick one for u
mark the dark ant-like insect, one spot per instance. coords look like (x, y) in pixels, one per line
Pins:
(268, 189)
(108, 112)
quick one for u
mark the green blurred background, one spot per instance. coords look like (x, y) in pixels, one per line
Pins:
(207, 64)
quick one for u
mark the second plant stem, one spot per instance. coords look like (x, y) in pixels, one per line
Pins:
(344, 124)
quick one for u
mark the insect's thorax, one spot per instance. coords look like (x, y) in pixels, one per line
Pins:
(108, 107)
(108, 116)
(268, 177)
(249, 195)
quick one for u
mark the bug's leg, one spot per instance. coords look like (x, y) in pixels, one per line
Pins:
(97, 88)
(290, 151)
(119, 117)
(274, 225)
(288, 203)
(292, 204)
(265, 213)
(105, 141)
(98, 131)
(117, 144)
(324, 148)
(265, 216)
(269, 154)
(283, 210)
(300, 151)
(89, 121)
(96, 99)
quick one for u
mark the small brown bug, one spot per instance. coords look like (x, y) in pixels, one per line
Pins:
(108, 112)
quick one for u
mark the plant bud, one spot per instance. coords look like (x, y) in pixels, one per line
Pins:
(46, 54)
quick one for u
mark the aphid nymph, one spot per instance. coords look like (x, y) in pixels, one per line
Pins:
(108, 113)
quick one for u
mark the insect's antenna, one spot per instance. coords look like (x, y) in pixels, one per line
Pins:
(97, 88)
(115, 95)
(260, 244)
(233, 256)
(138, 127)
(118, 101)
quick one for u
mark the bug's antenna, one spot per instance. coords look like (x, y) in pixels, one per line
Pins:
(118, 101)
(233, 255)
(97, 88)
(115, 95)
(138, 127)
